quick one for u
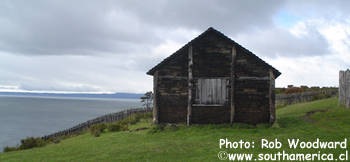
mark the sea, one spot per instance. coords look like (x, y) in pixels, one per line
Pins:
(26, 116)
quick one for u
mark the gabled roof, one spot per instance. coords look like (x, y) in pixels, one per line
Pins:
(210, 29)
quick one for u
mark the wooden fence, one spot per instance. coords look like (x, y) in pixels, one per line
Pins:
(109, 118)
(344, 88)
(287, 99)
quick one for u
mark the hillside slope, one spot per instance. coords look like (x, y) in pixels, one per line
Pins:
(322, 119)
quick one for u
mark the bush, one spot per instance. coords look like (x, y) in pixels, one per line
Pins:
(121, 125)
(172, 127)
(27, 143)
(133, 119)
(147, 115)
(31, 142)
(96, 133)
(157, 128)
(115, 127)
(319, 96)
(97, 129)
(53, 140)
(9, 149)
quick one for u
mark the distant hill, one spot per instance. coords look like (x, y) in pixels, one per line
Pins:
(85, 95)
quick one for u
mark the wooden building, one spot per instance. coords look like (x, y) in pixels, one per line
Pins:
(213, 79)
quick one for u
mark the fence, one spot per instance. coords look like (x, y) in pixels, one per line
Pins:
(287, 99)
(102, 119)
(344, 88)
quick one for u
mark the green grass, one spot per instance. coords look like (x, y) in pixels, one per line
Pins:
(198, 143)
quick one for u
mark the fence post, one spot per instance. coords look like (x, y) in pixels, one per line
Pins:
(344, 88)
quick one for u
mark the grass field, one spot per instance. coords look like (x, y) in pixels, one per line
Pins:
(325, 120)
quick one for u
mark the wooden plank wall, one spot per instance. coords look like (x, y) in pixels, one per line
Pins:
(344, 88)
(212, 58)
(172, 90)
(252, 100)
(252, 89)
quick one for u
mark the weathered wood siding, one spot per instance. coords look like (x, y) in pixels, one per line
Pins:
(249, 66)
(252, 101)
(251, 89)
(211, 114)
(173, 91)
(212, 58)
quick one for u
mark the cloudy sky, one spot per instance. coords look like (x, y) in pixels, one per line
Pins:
(108, 46)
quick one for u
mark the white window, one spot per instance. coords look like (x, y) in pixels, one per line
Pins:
(211, 91)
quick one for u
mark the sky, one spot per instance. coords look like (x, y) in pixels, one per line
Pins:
(108, 46)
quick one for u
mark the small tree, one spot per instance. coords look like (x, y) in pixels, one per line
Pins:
(147, 99)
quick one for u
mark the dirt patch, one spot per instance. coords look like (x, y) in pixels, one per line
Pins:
(142, 128)
(308, 114)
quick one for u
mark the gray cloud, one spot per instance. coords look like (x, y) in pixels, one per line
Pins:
(280, 42)
(66, 27)
(335, 10)
(92, 27)
(87, 45)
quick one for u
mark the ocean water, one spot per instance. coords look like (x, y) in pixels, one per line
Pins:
(22, 117)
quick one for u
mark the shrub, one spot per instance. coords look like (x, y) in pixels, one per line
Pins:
(56, 140)
(97, 129)
(147, 115)
(319, 96)
(9, 149)
(157, 128)
(53, 140)
(121, 125)
(172, 127)
(96, 133)
(115, 127)
(31, 142)
(133, 119)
